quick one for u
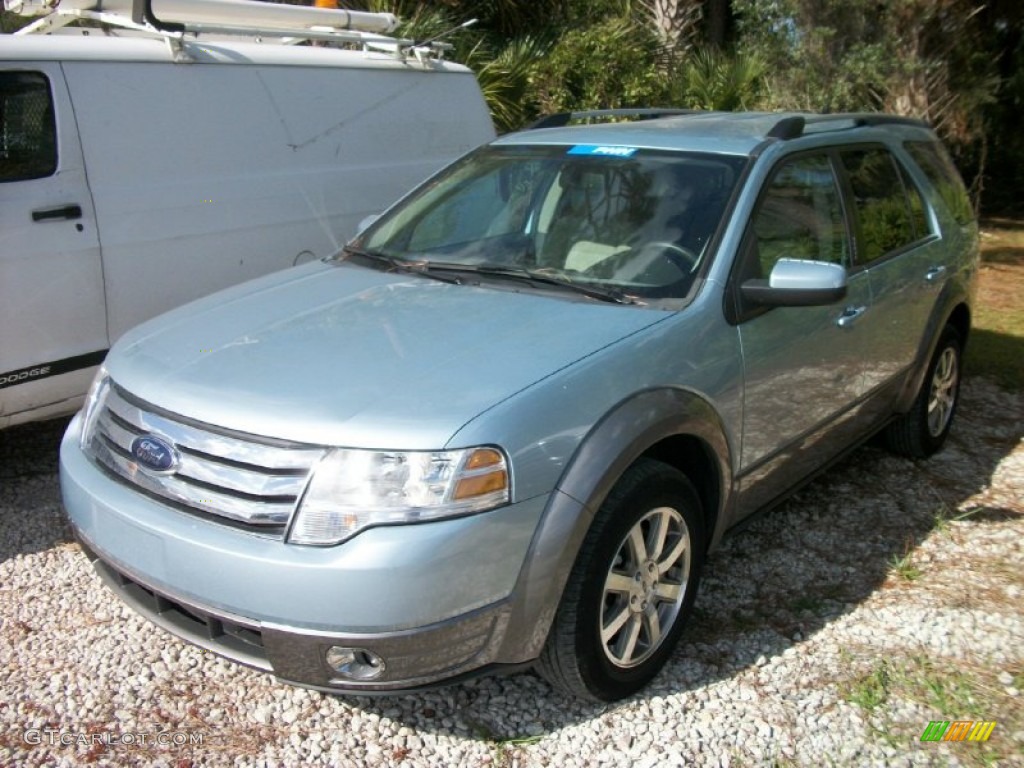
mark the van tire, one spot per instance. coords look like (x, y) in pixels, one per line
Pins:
(650, 590)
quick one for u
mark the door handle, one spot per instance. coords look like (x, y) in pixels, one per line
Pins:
(850, 314)
(935, 273)
(71, 211)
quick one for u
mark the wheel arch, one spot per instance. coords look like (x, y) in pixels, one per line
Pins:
(960, 318)
(676, 426)
(952, 308)
(695, 458)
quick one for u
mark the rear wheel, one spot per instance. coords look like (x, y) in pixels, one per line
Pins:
(631, 588)
(923, 430)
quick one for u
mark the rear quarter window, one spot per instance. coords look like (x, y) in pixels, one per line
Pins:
(28, 136)
(933, 159)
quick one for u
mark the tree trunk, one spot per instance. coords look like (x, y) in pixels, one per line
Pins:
(676, 22)
(717, 16)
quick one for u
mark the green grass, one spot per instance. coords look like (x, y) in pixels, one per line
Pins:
(996, 347)
(904, 567)
(869, 691)
(950, 690)
(504, 749)
(959, 693)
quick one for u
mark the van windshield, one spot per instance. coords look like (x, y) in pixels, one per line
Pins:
(638, 222)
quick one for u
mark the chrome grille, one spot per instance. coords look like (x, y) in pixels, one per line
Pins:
(243, 479)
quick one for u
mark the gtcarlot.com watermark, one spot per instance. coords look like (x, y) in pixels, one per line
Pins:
(55, 737)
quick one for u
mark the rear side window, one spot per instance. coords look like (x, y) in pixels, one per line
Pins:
(889, 208)
(933, 159)
(28, 135)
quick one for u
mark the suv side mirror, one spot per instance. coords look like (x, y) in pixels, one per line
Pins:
(798, 283)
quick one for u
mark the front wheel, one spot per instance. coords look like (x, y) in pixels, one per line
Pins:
(631, 588)
(923, 429)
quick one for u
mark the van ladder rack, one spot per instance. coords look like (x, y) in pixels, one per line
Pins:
(182, 21)
(560, 119)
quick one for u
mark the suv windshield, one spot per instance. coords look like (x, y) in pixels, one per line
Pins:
(618, 220)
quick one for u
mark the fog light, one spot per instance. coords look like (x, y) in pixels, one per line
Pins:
(355, 663)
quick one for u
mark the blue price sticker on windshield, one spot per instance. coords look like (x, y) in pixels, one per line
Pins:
(602, 151)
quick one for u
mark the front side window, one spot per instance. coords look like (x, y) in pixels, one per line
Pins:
(614, 218)
(890, 212)
(799, 216)
(28, 136)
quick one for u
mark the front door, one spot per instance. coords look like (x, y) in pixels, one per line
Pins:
(52, 306)
(804, 367)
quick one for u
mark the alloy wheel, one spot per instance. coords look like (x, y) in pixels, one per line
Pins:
(645, 587)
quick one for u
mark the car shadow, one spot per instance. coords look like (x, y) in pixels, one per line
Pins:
(31, 515)
(997, 355)
(778, 581)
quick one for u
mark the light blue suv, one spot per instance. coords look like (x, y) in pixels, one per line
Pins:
(506, 423)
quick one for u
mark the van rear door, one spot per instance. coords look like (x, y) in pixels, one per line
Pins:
(52, 306)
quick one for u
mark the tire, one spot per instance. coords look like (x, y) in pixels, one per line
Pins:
(923, 429)
(639, 584)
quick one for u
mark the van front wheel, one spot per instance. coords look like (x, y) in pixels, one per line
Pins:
(631, 588)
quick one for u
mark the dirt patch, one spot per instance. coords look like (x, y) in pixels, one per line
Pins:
(1000, 287)
(1002, 241)
(1001, 281)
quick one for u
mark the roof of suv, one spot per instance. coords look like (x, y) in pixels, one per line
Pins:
(736, 133)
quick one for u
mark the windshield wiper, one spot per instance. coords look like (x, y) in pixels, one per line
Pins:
(421, 268)
(435, 270)
(612, 295)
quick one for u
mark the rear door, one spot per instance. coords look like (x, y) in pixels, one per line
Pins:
(905, 258)
(52, 306)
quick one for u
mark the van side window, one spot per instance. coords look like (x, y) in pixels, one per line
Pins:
(882, 203)
(933, 159)
(799, 217)
(28, 134)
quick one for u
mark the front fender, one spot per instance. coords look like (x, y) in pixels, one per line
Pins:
(627, 432)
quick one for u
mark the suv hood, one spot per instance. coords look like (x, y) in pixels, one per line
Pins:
(346, 355)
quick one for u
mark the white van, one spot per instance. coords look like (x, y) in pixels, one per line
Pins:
(143, 165)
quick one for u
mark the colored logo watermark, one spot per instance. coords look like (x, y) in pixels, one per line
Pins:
(958, 730)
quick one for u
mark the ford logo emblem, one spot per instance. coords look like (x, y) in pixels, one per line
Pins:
(154, 453)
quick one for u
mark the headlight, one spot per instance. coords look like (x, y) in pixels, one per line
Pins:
(92, 406)
(354, 489)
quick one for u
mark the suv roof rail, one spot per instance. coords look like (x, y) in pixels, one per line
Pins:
(794, 126)
(788, 128)
(559, 119)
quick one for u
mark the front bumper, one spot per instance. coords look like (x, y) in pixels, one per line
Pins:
(418, 658)
(433, 600)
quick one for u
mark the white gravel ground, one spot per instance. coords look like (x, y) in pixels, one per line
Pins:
(885, 595)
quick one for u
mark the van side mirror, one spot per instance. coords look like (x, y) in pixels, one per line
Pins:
(798, 283)
(366, 221)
